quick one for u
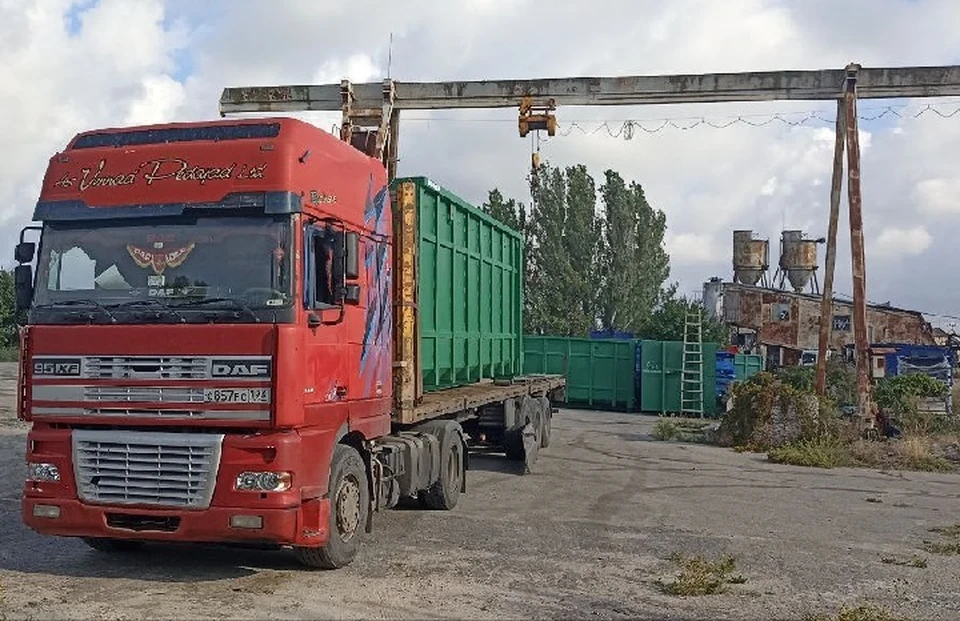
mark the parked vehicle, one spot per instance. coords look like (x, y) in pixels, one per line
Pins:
(238, 332)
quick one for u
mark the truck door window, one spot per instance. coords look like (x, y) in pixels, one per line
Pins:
(320, 269)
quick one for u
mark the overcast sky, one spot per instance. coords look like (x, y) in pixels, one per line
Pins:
(71, 65)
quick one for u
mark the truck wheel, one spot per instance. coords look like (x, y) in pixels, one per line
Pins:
(444, 494)
(546, 417)
(102, 544)
(522, 444)
(349, 503)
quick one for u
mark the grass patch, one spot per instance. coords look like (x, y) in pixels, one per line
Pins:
(699, 576)
(680, 430)
(919, 453)
(9, 354)
(863, 612)
(824, 452)
(949, 543)
(914, 561)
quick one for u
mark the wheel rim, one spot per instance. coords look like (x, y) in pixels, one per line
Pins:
(348, 507)
(453, 467)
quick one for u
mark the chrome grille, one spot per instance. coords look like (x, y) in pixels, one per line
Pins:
(146, 367)
(146, 468)
(148, 394)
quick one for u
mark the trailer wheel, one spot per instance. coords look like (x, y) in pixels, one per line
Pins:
(546, 418)
(523, 444)
(444, 494)
(103, 544)
(349, 503)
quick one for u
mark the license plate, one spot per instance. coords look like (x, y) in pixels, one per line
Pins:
(236, 395)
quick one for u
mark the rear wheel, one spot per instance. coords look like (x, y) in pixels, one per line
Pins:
(102, 544)
(546, 418)
(523, 443)
(349, 504)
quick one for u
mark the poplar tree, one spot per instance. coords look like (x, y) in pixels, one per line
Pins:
(634, 261)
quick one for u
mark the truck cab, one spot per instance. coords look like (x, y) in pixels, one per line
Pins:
(208, 319)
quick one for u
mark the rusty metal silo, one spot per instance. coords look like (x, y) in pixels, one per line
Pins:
(751, 259)
(798, 261)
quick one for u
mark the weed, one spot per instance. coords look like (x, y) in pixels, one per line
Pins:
(699, 576)
(863, 612)
(681, 430)
(914, 561)
(942, 547)
(826, 452)
(9, 354)
(949, 540)
(665, 430)
(952, 531)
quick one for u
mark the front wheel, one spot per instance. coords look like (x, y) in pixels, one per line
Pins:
(349, 503)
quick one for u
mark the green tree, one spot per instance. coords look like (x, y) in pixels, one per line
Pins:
(507, 211)
(8, 313)
(633, 261)
(668, 320)
(565, 234)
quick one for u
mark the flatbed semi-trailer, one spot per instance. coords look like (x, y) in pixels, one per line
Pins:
(239, 332)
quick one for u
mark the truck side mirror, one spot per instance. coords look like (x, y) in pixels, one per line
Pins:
(24, 252)
(23, 285)
(352, 259)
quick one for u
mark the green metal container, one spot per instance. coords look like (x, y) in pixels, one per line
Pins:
(661, 370)
(746, 366)
(600, 373)
(470, 291)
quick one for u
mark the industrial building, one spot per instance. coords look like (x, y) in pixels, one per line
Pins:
(784, 325)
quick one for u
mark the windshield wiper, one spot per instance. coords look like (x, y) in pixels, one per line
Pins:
(92, 303)
(236, 303)
(151, 302)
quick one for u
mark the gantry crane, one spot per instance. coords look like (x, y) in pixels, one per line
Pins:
(371, 116)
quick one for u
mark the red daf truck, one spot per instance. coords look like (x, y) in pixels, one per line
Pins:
(240, 332)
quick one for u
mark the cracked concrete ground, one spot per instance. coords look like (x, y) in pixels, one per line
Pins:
(589, 533)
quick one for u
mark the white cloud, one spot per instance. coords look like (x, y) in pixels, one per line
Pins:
(122, 67)
(938, 197)
(689, 249)
(893, 242)
(357, 67)
(116, 68)
(769, 188)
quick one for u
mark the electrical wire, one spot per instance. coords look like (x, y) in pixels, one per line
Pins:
(847, 296)
(627, 128)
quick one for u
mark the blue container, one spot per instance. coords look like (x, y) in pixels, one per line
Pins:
(726, 372)
(611, 334)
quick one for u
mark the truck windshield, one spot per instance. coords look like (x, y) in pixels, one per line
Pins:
(202, 269)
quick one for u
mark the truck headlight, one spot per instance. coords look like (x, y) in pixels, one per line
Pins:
(264, 481)
(43, 472)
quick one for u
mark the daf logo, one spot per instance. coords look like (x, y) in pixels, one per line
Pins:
(240, 368)
(62, 367)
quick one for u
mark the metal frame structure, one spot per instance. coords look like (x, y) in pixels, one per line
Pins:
(371, 114)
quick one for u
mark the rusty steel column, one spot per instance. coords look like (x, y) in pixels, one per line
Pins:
(826, 306)
(854, 198)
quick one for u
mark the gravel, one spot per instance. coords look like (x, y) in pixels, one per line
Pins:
(587, 534)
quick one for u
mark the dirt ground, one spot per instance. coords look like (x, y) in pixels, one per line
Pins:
(588, 534)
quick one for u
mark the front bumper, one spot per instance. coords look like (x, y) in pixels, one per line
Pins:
(304, 525)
